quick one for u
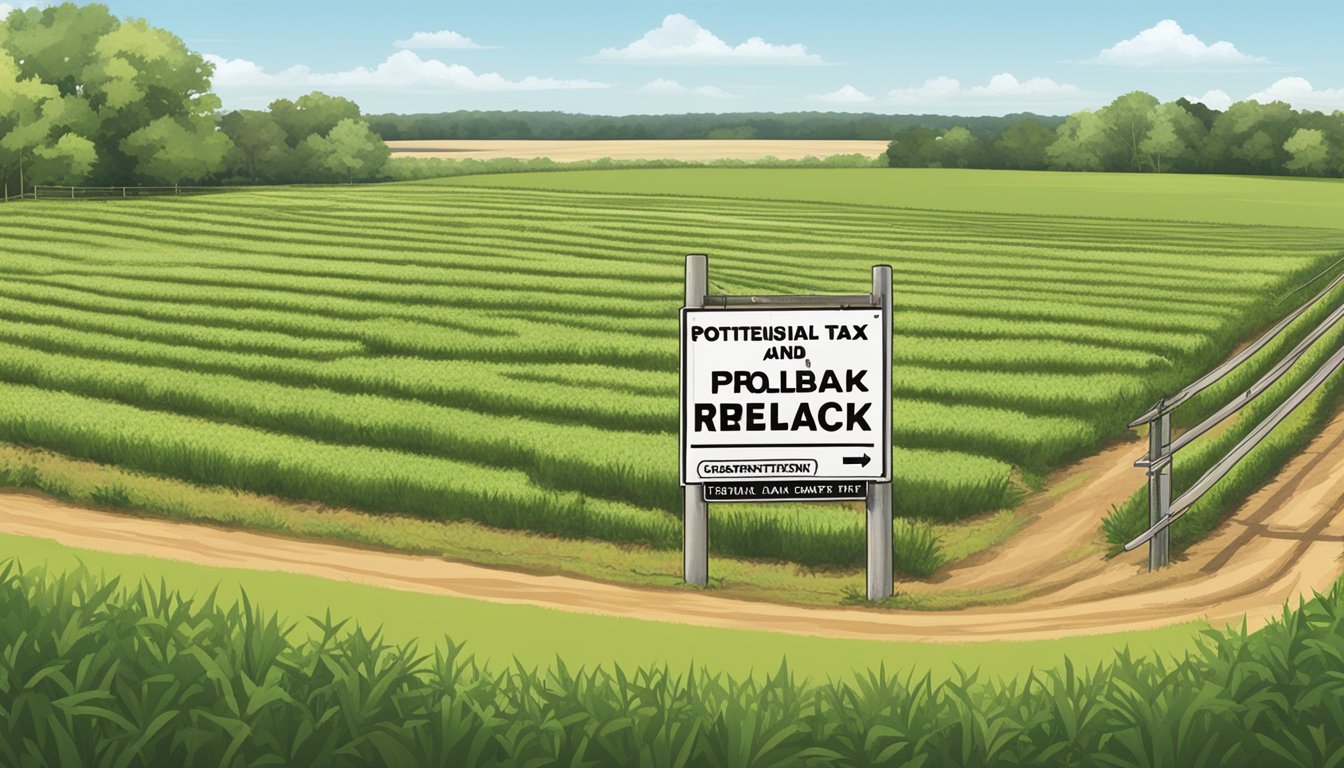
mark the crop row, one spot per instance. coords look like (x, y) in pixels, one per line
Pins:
(634, 467)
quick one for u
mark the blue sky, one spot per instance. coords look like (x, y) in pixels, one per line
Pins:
(716, 56)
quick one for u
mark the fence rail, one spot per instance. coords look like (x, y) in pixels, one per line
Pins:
(1162, 449)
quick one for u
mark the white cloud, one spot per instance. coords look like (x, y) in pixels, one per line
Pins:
(1298, 92)
(1001, 89)
(662, 87)
(444, 38)
(682, 39)
(1214, 99)
(1165, 44)
(402, 71)
(846, 94)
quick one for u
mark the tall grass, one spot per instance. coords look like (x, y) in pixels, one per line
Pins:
(92, 673)
(520, 345)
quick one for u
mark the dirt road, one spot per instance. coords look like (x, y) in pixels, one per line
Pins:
(633, 149)
(1285, 542)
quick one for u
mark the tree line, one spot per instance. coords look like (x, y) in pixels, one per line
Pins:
(473, 124)
(1138, 133)
(87, 98)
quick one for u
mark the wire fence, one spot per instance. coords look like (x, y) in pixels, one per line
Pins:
(1163, 511)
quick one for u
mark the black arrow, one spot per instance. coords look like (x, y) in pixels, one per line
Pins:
(860, 460)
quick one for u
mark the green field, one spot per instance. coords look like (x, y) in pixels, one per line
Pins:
(456, 351)
(1273, 201)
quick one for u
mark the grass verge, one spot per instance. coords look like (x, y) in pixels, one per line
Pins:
(150, 675)
(84, 482)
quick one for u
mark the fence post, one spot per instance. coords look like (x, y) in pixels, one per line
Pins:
(1159, 487)
(878, 512)
(695, 525)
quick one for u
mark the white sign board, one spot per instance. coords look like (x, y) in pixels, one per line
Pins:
(792, 395)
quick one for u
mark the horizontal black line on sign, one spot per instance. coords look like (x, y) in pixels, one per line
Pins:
(782, 445)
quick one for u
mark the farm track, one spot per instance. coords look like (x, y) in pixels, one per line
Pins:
(1284, 542)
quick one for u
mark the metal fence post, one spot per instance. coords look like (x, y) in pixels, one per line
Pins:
(879, 494)
(1159, 488)
(695, 525)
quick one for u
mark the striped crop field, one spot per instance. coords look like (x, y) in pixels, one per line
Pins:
(509, 356)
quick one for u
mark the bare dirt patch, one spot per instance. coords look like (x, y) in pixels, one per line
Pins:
(1284, 543)
(689, 149)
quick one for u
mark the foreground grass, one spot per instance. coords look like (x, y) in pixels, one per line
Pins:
(90, 672)
(502, 634)
(88, 483)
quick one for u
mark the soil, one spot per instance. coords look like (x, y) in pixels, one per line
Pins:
(1285, 542)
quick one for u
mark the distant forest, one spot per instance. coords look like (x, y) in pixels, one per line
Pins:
(466, 124)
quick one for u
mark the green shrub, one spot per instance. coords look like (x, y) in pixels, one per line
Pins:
(93, 674)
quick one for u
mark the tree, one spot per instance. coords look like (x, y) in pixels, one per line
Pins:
(34, 125)
(172, 151)
(1309, 150)
(1080, 143)
(1023, 145)
(66, 161)
(348, 152)
(1128, 120)
(1199, 110)
(114, 78)
(958, 148)
(261, 151)
(912, 148)
(1249, 137)
(1162, 142)
(316, 113)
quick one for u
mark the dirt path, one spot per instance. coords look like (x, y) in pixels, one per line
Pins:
(1285, 542)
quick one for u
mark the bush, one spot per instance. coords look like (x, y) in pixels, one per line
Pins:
(91, 673)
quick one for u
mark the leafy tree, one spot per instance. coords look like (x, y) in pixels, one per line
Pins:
(912, 148)
(1023, 144)
(1163, 142)
(1249, 137)
(316, 113)
(1309, 150)
(348, 152)
(958, 148)
(1198, 110)
(1080, 143)
(66, 161)
(261, 150)
(1128, 120)
(115, 78)
(172, 151)
(35, 122)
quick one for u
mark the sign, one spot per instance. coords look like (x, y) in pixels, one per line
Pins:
(784, 395)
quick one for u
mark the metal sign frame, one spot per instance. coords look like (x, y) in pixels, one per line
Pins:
(695, 543)
(880, 446)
